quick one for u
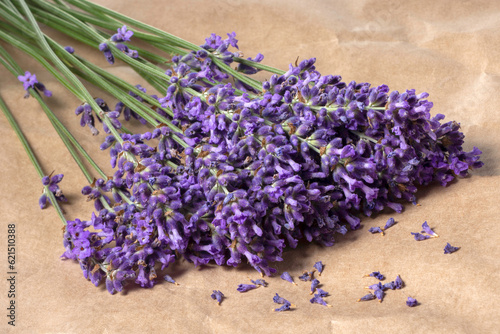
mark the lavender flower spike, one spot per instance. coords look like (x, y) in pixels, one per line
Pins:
(448, 249)
(246, 287)
(287, 277)
(319, 267)
(217, 295)
(411, 302)
(428, 230)
(367, 297)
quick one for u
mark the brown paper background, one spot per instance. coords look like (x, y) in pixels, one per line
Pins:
(449, 49)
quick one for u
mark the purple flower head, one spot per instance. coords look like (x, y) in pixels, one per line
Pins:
(287, 277)
(29, 80)
(246, 287)
(390, 222)
(232, 40)
(367, 297)
(411, 302)
(217, 295)
(318, 300)
(122, 35)
(448, 249)
(420, 237)
(428, 230)
(319, 267)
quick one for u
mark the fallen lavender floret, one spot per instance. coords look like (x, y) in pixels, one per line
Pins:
(259, 282)
(169, 279)
(428, 230)
(390, 222)
(30, 81)
(321, 292)
(398, 283)
(287, 277)
(377, 275)
(391, 285)
(318, 300)
(306, 276)
(217, 295)
(448, 249)
(284, 307)
(367, 297)
(420, 237)
(377, 286)
(280, 300)
(319, 267)
(375, 229)
(379, 293)
(246, 287)
(69, 49)
(314, 284)
(411, 302)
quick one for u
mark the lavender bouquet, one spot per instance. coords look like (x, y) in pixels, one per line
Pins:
(228, 169)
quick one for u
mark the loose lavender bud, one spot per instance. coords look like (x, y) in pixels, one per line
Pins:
(411, 302)
(217, 295)
(420, 237)
(280, 300)
(318, 300)
(287, 277)
(321, 292)
(246, 287)
(391, 285)
(306, 276)
(378, 286)
(319, 267)
(398, 282)
(390, 222)
(377, 275)
(448, 249)
(375, 229)
(259, 282)
(428, 230)
(379, 293)
(314, 284)
(69, 49)
(367, 297)
(169, 279)
(122, 35)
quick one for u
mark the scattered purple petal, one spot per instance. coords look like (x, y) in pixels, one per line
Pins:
(390, 222)
(318, 300)
(259, 282)
(217, 295)
(411, 302)
(420, 237)
(246, 287)
(287, 277)
(448, 249)
(367, 297)
(319, 267)
(314, 285)
(428, 230)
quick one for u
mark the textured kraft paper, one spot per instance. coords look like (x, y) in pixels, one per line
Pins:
(449, 49)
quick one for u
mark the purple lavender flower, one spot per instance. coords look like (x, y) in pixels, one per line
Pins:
(428, 230)
(411, 302)
(246, 287)
(217, 295)
(280, 300)
(379, 294)
(51, 182)
(390, 222)
(377, 275)
(420, 237)
(318, 300)
(69, 49)
(29, 80)
(169, 279)
(306, 276)
(367, 297)
(122, 35)
(448, 249)
(287, 277)
(314, 284)
(259, 282)
(319, 267)
(321, 292)
(398, 282)
(375, 229)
